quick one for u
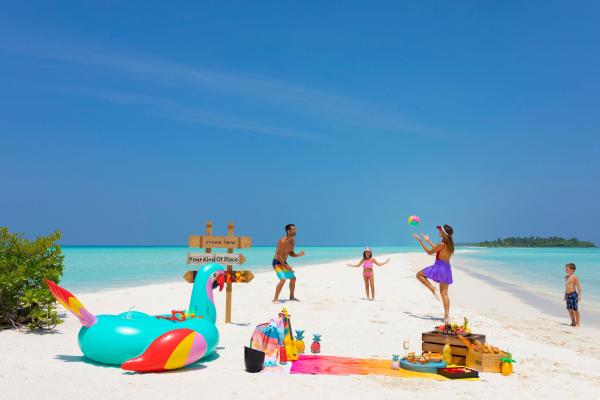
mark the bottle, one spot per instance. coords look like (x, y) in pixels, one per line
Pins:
(282, 355)
(447, 352)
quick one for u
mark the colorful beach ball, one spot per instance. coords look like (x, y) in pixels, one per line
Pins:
(414, 220)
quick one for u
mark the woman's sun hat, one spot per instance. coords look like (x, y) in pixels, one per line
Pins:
(446, 229)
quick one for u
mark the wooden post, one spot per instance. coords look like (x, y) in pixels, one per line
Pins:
(208, 233)
(228, 289)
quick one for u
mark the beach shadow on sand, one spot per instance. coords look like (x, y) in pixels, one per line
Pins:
(81, 359)
(199, 365)
(194, 367)
(283, 301)
(42, 332)
(240, 323)
(426, 317)
(214, 356)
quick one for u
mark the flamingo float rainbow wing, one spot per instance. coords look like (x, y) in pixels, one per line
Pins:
(144, 343)
(172, 350)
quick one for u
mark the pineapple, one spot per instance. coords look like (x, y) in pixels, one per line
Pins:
(395, 361)
(507, 365)
(300, 341)
(315, 347)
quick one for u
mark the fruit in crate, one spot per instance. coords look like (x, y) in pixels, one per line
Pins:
(486, 348)
(454, 329)
(315, 347)
(476, 345)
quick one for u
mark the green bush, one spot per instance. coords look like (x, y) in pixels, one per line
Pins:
(25, 300)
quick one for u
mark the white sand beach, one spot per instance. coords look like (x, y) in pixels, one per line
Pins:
(553, 359)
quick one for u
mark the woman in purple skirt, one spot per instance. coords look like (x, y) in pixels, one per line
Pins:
(440, 271)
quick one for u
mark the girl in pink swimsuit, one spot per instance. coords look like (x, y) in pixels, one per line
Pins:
(367, 264)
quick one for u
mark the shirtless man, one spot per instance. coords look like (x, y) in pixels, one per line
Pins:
(285, 248)
(572, 294)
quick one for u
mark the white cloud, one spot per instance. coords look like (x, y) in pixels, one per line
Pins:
(317, 105)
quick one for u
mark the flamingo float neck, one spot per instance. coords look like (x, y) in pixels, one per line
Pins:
(202, 301)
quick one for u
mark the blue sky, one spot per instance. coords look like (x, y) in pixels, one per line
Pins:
(134, 123)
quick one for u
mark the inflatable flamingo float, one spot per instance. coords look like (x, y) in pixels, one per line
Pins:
(144, 343)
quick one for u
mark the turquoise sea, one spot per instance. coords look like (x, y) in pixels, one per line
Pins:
(95, 268)
(543, 269)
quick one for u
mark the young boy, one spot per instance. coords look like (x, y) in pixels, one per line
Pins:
(572, 293)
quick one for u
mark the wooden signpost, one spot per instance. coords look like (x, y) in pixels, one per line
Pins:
(229, 242)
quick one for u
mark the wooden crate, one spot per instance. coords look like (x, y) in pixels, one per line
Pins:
(485, 362)
(434, 342)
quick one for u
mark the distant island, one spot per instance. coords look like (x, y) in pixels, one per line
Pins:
(531, 241)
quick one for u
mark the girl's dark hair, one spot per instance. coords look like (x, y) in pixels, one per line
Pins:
(365, 254)
(447, 239)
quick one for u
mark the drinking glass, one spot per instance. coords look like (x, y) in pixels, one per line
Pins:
(406, 344)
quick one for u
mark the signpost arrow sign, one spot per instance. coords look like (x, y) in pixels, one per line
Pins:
(190, 276)
(205, 258)
(220, 242)
(232, 277)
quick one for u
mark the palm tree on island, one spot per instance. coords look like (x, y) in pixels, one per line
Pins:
(553, 241)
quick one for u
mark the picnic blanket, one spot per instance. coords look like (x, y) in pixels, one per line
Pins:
(332, 365)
